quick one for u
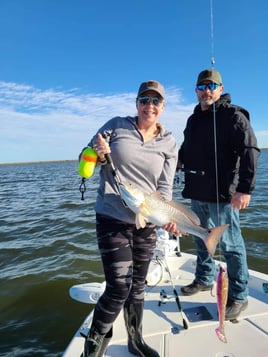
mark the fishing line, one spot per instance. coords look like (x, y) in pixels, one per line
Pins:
(214, 120)
(212, 33)
(221, 282)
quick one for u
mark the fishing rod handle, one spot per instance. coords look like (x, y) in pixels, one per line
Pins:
(108, 156)
(109, 160)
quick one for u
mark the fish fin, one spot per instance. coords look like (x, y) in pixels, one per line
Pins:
(212, 240)
(140, 221)
(221, 334)
(186, 211)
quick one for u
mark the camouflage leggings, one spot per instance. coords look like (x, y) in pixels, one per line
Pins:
(126, 253)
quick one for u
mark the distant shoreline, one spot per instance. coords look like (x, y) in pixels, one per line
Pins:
(35, 162)
(52, 161)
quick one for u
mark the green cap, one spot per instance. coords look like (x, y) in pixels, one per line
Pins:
(209, 75)
(152, 85)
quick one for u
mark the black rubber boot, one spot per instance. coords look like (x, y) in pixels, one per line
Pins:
(95, 343)
(133, 314)
(105, 342)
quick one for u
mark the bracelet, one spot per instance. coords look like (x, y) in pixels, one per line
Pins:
(102, 162)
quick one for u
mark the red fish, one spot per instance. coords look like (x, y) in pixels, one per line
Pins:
(222, 293)
(152, 208)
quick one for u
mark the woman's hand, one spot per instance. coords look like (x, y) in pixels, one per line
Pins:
(101, 147)
(171, 228)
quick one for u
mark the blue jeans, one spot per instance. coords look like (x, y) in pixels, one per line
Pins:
(231, 246)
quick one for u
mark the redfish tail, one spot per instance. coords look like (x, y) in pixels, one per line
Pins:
(221, 334)
(214, 237)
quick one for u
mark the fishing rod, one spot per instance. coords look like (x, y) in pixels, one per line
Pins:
(115, 175)
(117, 180)
(177, 299)
(114, 171)
(111, 163)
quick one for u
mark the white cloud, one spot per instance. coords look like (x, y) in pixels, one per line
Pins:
(54, 125)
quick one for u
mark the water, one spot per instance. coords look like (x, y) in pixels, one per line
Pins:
(47, 244)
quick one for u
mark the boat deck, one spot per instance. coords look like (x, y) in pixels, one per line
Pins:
(163, 328)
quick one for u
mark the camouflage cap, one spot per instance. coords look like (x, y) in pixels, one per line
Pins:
(152, 85)
(209, 75)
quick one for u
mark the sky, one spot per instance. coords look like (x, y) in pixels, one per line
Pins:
(68, 66)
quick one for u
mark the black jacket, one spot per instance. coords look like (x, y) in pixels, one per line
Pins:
(236, 148)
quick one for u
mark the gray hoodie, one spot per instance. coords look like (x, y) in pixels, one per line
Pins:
(150, 166)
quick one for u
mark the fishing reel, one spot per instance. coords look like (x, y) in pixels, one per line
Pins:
(163, 297)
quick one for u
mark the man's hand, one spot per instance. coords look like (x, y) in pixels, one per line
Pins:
(240, 200)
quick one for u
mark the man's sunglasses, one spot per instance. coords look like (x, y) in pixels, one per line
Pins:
(147, 100)
(210, 86)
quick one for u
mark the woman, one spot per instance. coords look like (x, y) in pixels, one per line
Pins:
(144, 155)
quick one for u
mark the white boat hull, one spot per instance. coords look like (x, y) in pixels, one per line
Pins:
(163, 329)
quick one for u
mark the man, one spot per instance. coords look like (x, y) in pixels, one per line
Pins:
(219, 155)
